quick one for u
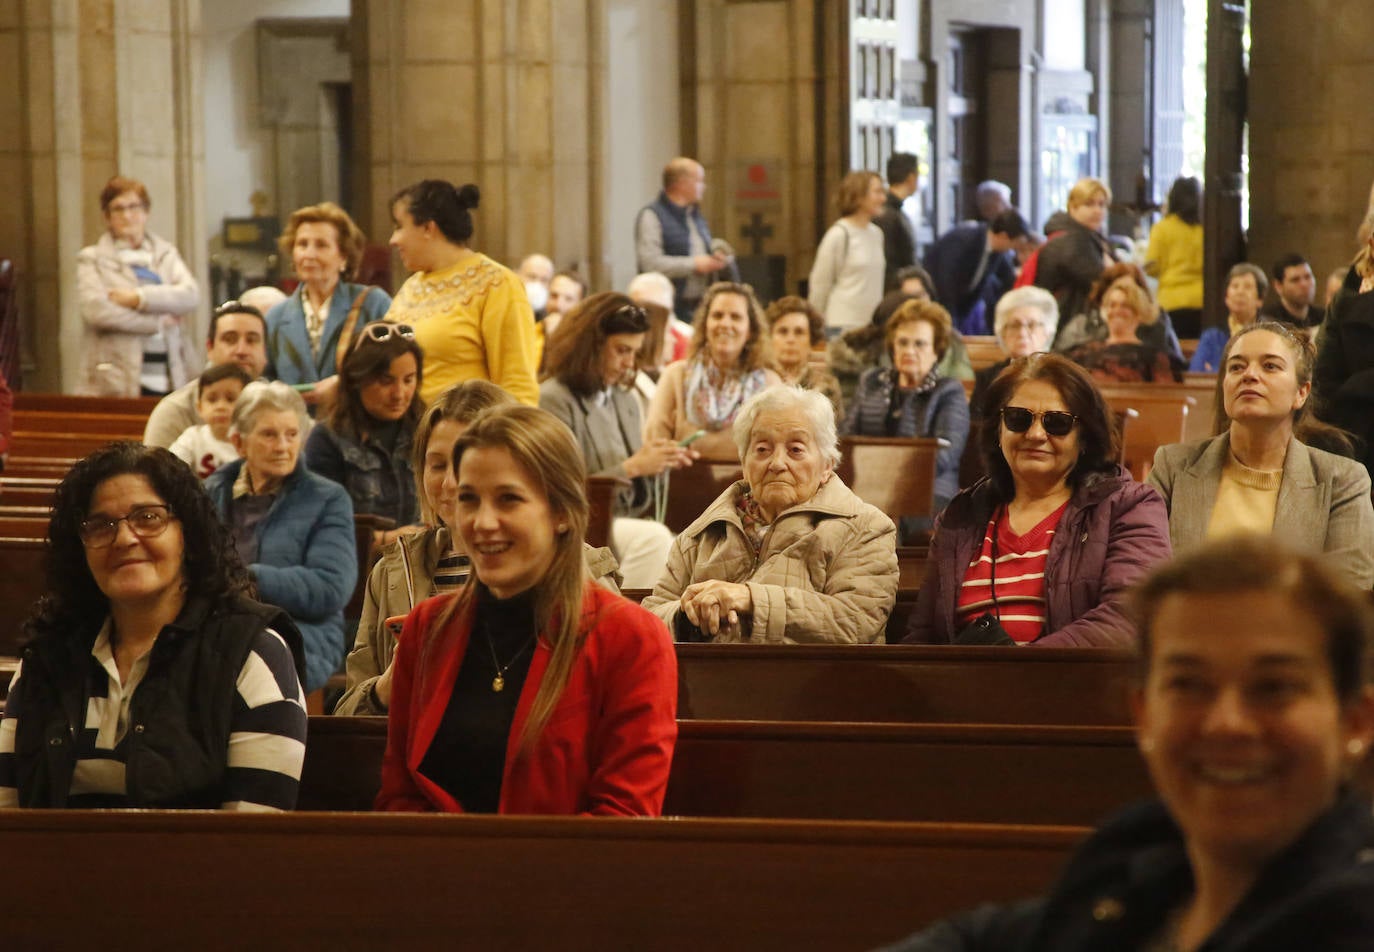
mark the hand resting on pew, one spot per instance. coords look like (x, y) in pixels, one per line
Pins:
(789, 555)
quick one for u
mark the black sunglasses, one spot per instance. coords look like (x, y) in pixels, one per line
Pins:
(1054, 422)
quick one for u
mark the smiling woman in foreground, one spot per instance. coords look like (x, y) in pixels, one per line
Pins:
(532, 689)
(1253, 715)
(788, 554)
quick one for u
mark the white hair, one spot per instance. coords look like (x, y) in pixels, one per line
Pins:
(651, 286)
(819, 412)
(267, 396)
(264, 297)
(993, 187)
(1032, 297)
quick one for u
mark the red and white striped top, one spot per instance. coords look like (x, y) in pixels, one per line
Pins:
(1019, 581)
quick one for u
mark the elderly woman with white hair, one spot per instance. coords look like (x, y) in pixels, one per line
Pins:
(292, 528)
(788, 554)
(1025, 322)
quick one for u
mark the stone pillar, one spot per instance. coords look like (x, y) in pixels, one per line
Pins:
(496, 92)
(766, 123)
(1311, 139)
(108, 87)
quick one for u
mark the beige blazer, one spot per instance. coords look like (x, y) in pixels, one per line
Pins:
(1323, 505)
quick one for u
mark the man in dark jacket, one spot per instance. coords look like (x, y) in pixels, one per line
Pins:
(899, 238)
(973, 265)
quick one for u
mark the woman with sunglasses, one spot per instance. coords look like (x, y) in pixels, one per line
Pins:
(1042, 549)
(590, 359)
(150, 678)
(363, 442)
(292, 528)
(1262, 471)
(306, 332)
(470, 314)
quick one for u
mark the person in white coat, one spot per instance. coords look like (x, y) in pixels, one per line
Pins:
(846, 281)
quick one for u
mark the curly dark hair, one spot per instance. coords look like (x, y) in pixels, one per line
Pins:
(1097, 438)
(74, 605)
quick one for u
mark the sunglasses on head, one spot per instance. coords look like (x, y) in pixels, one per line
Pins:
(1054, 422)
(381, 331)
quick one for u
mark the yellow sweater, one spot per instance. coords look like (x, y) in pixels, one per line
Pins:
(473, 321)
(1175, 255)
(1246, 500)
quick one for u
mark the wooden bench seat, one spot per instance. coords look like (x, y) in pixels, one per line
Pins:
(367, 882)
(951, 773)
(904, 684)
(21, 583)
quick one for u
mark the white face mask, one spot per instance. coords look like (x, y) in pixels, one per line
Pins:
(538, 294)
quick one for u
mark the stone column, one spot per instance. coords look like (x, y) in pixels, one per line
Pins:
(107, 87)
(1311, 138)
(495, 92)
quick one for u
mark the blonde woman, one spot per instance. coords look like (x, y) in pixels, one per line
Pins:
(846, 281)
(532, 690)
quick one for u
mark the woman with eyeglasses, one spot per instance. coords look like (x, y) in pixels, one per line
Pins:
(150, 679)
(309, 332)
(135, 292)
(470, 314)
(912, 398)
(531, 689)
(292, 529)
(1262, 472)
(1042, 550)
(363, 443)
(591, 358)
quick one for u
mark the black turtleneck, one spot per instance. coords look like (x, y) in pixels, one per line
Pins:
(468, 755)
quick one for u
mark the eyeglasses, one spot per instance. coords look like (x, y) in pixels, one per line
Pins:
(1016, 327)
(1054, 422)
(123, 207)
(381, 331)
(146, 522)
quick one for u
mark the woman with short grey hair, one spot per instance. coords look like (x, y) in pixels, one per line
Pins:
(788, 554)
(292, 528)
(1026, 321)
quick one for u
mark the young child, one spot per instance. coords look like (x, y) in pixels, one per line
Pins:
(206, 447)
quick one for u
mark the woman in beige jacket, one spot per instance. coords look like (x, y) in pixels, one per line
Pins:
(788, 554)
(135, 292)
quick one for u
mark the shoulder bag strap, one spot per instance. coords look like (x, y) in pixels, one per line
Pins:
(350, 328)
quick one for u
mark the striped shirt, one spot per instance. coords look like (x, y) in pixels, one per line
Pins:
(1015, 592)
(266, 740)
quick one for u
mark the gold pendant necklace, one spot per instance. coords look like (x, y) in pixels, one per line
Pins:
(498, 683)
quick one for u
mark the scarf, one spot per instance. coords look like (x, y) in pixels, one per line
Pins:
(713, 398)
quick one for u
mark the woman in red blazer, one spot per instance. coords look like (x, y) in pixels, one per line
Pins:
(530, 690)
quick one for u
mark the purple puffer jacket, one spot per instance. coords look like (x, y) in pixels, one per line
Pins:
(1112, 533)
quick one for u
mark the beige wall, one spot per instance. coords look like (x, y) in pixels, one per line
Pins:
(1311, 134)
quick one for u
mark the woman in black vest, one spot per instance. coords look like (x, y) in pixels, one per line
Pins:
(151, 679)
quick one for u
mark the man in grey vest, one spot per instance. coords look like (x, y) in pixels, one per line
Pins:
(671, 236)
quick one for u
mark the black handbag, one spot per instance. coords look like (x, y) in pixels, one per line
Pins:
(983, 630)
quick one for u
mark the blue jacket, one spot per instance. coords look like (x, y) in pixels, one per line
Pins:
(288, 343)
(307, 561)
(1210, 348)
(941, 413)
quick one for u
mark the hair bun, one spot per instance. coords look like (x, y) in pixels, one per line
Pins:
(468, 196)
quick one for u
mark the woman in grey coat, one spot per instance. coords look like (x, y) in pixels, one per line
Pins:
(1260, 473)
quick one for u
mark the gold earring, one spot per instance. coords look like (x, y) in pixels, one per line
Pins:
(1354, 747)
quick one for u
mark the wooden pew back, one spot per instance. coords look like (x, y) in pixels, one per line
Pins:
(896, 475)
(244, 881)
(21, 583)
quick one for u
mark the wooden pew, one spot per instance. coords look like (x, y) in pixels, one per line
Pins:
(693, 488)
(905, 684)
(26, 490)
(956, 773)
(983, 351)
(1161, 419)
(26, 400)
(21, 583)
(896, 475)
(1201, 387)
(601, 492)
(240, 881)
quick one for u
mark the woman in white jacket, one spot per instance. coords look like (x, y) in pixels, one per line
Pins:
(847, 276)
(135, 292)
